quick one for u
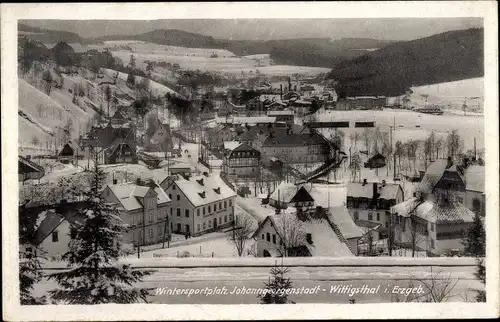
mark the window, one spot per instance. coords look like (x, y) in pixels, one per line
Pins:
(178, 197)
(198, 212)
(171, 211)
(220, 205)
(274, 239)
(215, 207)
(268, 237)
(186, 213)
(370, 216)
(150, 233)
(173, 187)
(262, 236)
(356, 215)
(170, 196)
(55, 236)
(209, 224)
(198, 227)
(225, 204)
(432, 226)
(209, 209)
(178, 212)
(220, 220)
(378, 216)
(204, 210)
(460, 199)
(150, 217)
(230, 203)
(225, 218)
(204, 226)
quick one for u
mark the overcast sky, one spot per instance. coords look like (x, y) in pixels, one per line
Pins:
(250, 29)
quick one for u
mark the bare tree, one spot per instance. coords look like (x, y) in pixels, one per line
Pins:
(290, 232)
(47, 78)
(354, 137)
(438, 144)
(368, 239)
(243, 230)
(377, 136)
(386, 149)
(453, 143)
(367, 137)
(398, 150)
(355, 165)
(437, 288)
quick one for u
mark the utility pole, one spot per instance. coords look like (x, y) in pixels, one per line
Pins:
(393, 151)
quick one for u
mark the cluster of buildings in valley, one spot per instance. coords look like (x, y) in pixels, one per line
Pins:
(306, 219)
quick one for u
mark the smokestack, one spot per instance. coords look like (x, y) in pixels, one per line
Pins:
(289, 84)
(281, 91)
(375, 190)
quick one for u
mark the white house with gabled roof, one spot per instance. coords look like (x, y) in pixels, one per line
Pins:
(144, 208)
(199, 205)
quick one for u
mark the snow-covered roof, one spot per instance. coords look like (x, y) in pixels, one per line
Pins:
(284, 112)
(433, 211)
(285, 191)
(325, 241)
(231, 145)
(341, 218)
(433, 174)
(328, 195)
(388, 191)
(128, 193)
(202, 190)
(474, 178)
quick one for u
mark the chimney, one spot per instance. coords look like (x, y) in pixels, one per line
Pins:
(281, 91)
(205, 174)
(450, 162)
(364, 182)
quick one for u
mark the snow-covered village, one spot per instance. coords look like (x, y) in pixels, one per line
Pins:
(230, 171)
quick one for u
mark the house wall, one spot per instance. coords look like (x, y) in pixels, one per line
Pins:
(469, 201)
(240, 166)
(364, 214)
(403, 233)
(295, 154)
(198, 220)
(58, 248)
(263, 244)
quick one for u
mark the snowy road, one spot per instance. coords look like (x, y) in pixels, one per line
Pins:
(325, 279)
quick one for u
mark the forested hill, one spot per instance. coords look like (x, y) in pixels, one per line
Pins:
(48, 36)
(445, 57)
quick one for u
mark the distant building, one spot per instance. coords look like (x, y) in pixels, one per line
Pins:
(120, 152)
(289, 195)
(286, 116)
(376, 161)
(144, 208)
(120, 117)
(216, 136)
(369, 203)
(65, 154)
(240, 160)
(199, 205)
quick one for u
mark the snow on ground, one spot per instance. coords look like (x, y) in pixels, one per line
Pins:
(450, 94)
(406, 124)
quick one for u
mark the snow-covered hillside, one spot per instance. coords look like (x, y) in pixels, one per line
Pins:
(450, 95)
(42, 117)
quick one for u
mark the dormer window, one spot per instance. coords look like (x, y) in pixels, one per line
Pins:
(202, 194)
(217, 190)
(200, 182)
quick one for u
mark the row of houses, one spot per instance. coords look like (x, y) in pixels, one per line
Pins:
(153, 210)
(435, 220)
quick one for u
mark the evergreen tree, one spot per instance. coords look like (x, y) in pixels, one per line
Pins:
(475, 239)
(276, 287)
(30, 273)
(481, 275)
(93, 275)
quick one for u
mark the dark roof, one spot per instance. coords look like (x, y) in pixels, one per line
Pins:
(281, 138)
(67, 149)
(26, 166)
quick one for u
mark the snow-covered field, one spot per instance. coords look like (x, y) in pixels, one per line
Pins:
(450, 95)
(406, 122)
(199, 58)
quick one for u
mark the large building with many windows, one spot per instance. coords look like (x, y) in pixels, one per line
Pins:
(144, 208)
(240, 160)
(199, 205)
